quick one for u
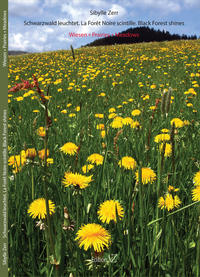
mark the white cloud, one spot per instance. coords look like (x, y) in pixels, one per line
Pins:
(48, 30)
(121, 11)
(192, 3)
(52, 3)
(17, 42)
(29, 41)
(39, 39)
(74, 12)
(165, 6)
(173, 7)
(24, 8)
(95, 3)
(23, 2)
(63, 38)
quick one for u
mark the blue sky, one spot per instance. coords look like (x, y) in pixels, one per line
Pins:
(47, 38)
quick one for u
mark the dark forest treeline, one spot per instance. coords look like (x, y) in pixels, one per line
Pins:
(140, 34)
(14, 53)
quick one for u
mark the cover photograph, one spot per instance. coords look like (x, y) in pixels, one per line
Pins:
(100, 138)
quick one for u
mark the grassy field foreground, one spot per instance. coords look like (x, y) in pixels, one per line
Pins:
(104, 161)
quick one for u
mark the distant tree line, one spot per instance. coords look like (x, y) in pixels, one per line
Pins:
(13, 52)
(146, 34)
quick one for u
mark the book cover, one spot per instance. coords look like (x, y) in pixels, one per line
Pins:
(100, 162)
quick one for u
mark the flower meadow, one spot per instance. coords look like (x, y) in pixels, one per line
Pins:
(104, 161)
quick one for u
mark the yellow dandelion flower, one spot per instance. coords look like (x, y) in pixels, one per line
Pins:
(23, 154)
(17, 161)
(19, 98)
(196, 193)
(135, 124)
(86, 168)
(172, 188)
(50, 161)
(69, 148)
(38, 208)
(153, 86)
(146, 97)
(117, 122)
(103, 134)
(127, 121)
(107, 211)
(177, 122)
(161, 202)
(177, 201)
(169, 202)
(72, 115)
(100, 126)
(196, 179)
(31, 153)
(76, 179)
(95, 159)
(93, 235)
(30, 92)
(165, 130)
(102, 94)
(168, 149)
(192, 91)
(112, 110)
(136, 112)
(41, 153)
(47, 97)
(58, 81)
(148, 175)
(99, 115)
(112, 115)
(41, 132)
(64, 111)
(162, 137)
(186, 122)
(127, 163)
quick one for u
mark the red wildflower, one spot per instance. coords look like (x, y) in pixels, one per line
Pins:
(23, 85)
(38, 89)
